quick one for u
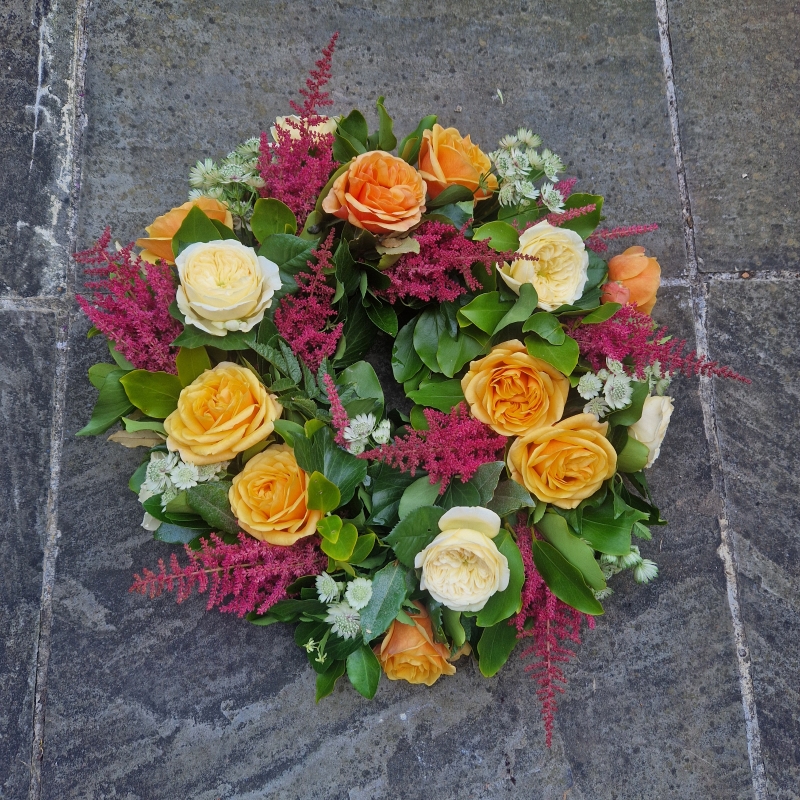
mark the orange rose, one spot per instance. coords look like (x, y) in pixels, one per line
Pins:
(512, 392)
(409, 652)
(269, 498)
(564, 463)
(641, 275)
(447, 158)
(379, 193)
(160, 233)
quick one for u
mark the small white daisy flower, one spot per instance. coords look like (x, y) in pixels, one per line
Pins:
(184, 476)
(589, 386)
(327, 588)
(383, 432)
(646, 571)
(344, 620)
(358, 593)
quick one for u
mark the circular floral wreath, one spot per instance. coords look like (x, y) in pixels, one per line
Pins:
(494, 496)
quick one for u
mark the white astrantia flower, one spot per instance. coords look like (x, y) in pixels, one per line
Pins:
(552, 198)
(552, 164)
(204, 174)
(632, 559)
(344, 620)
(618, 391)
(529, 138)
(589, 386)
(504, 163)
(507, 142)
(357, 446)
(645, 571)
(157, 472)
(383, 432)
(327, 588)
(184, 476)
(359, 593)
(251, 149)
(360, 427)
(168, 495)
(596, 406)
(535, 159)
(615, 367)
(602, 594)
(527, 189)
(211, 472)
(603, 374)
(507, 195)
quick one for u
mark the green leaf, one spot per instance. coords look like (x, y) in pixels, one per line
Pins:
(495, 646)
(454, 353)
(633, 456)
(409, 146)
(414, 533)
(405, 361)
(452, 194)
(606, 311)
(364, 546)
(547, 326)
(630, 415)
(355, 125)
(607, 532)
(99, 372)
(459, 494)
(390, 587)
(138, 478)
(509, 497)
(486, 311)
(522, 309)
(485, 479)
(322, 494)
(388, 485)
(192, 362)
(421, 493)
(289, 430)
(345, 147)
(122, 362)
(291, 254)
(453, 627)
(441, 396)
(502, 605)
(563, 357)
(193, 338)
(554, 528)
(364, 671)
(112, 403)
(564, 580)
(224, 231)
(358, 333)
(502, 236)
(326, 681)
(133, 425)
(154, 393)
(429, 329)
(270, 216)
(196, 227)
(329, 528)
(174, 534)
(386, 138)
(362, 378)
(384, 317)
(210, 501)
(343, 547)
(584, 225)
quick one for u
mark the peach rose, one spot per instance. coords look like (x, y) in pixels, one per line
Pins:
(615, 292)
(512, 392)
(160, 233)
(269, 498)
(379, 193)
(565, 463)
(446, 158)
(639, 273)
(220, 414)
(409, 652)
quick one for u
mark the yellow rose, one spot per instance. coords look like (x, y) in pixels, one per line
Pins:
(225, 286)
(560, 272)
(327, 125)
(512, 392)
(220, 414)
(462, 567)
(269, 498)
(651, 428)
(409, 652)
(564, 463)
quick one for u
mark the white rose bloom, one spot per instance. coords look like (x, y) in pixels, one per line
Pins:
(225, 286)
(561, 271)
(328, 125)
(462, 567)
(652, 427)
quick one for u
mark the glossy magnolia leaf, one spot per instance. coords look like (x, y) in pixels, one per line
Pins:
(459, 494)
(547, 326)
(633, 456)
(192, 362)
(112, 403)
(414, 533)
(485, 479)
(270, 216)
(522, 309)
(509, 497)
(405, 361)
(408, 149)
(452, 194)
(364, 381)
(387, 485)
(486, 311)
(326, 681)
(564, 580)
(193, 337)
(196, 227)
(428, 331)
(502, 236)
(554, 528)
(390, 587)
(99, 372)
(442, 396)
(606, 311)
(421, 493)
(609, 531)
(386, 138)
(364, 546)
(210, 501)
(453, 354)
(364, 671)
(383, 317)
(288, 430)
(502, 605)
(154, 393)
(495, 646)
(355, 125)
(563, 357)
(584, 225)
(322, 494)
(343, 547)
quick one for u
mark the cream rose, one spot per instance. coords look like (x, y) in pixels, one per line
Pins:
(560, 272)
(652, 426)
(327, 125)
(225, 286)
(462, 567)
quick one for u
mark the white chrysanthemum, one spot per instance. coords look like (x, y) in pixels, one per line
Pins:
(383, 432)
(344, 620)
(589, 386)
(632, 559)
(646, 571)
(360, 427)
(596, 406)
(618, 391)
(359, 593)
(327, 588)
(157, 473)
(184, 476)
(552, 164)
(552, 198)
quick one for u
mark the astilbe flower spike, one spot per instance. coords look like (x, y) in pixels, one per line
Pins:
(338, 413)
(298, 165)
(565, 216)
(301, 318)
(565, 187)
(455, 444)
(553, 623)
(129, 304)
(254, 575)
(631, 334)
(598, 240)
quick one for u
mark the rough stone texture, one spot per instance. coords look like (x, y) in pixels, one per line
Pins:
(754, 327)
(35, 144)
(738, 84)
(26, 386)
(172, 82)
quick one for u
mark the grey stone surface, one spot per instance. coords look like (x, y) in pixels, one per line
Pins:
(737, 79)
(26, 388)
(169, 83)
(36, 144)
(754, 327)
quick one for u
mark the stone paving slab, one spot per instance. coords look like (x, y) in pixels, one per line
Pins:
(738, 83)
(169, 83)
(754, 327)
(26, 387)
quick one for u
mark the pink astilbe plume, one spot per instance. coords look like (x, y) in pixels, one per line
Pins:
(455, 444)
(129, 304)
(599, 239)
(565, 187)
(549, 622)
(301, 318)
(298, 165)
(251, 575)
(340, 418)
(630, 334)
(565, 216)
